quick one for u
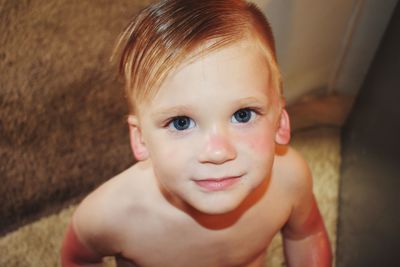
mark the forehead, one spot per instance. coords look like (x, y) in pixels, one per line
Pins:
(234, 67)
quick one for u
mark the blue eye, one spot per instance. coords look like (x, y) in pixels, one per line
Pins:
(243, 115)
(181, 123)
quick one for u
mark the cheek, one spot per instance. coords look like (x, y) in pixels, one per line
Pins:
(173, 153)
(259, 143)
(260, 152)
(168, 158)
(178, 152)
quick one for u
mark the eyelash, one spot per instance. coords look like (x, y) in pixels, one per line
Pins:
(170, 121)
(253, 114)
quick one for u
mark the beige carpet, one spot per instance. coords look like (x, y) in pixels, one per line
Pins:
(38, 244)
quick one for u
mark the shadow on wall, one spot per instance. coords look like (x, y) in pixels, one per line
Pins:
(368, 229)
(62, 128)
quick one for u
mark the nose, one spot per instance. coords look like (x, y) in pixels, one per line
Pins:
(218, 148)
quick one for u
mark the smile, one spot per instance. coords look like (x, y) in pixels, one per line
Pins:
(217, 184)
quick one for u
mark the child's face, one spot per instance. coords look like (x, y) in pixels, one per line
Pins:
(210, 130)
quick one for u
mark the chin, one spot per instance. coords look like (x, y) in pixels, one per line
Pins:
(217, 212)
(218, 203)
(220, 210)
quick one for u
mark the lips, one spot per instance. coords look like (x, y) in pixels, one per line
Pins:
(217, 184)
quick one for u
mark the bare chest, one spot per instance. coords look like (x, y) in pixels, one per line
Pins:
(187, 243)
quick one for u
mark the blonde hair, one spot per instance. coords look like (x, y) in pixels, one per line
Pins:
(168, 32)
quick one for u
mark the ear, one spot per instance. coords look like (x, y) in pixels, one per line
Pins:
(138, 146)
(282, 135)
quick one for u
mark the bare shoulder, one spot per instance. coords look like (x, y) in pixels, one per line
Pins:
(304, 219)
(292, 172)
(102, 216)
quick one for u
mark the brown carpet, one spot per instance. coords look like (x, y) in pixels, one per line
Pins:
(38, 243)
(61, 105)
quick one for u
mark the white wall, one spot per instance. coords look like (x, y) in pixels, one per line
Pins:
(326, 45)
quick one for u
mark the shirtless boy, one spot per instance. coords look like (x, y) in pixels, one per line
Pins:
(215, 178)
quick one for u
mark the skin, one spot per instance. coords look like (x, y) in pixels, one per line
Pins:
(215, 179)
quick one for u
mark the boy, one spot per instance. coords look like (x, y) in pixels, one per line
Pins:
(215, 179)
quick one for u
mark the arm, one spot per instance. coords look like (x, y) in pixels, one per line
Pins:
(304, 236)
(74, 253)
(91, 233)
(306, 244)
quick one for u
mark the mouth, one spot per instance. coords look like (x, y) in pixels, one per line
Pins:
(217, 184)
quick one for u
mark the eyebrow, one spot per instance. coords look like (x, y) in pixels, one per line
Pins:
(251, 100)
(256, 102)
(185, 109)
(173, 111)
